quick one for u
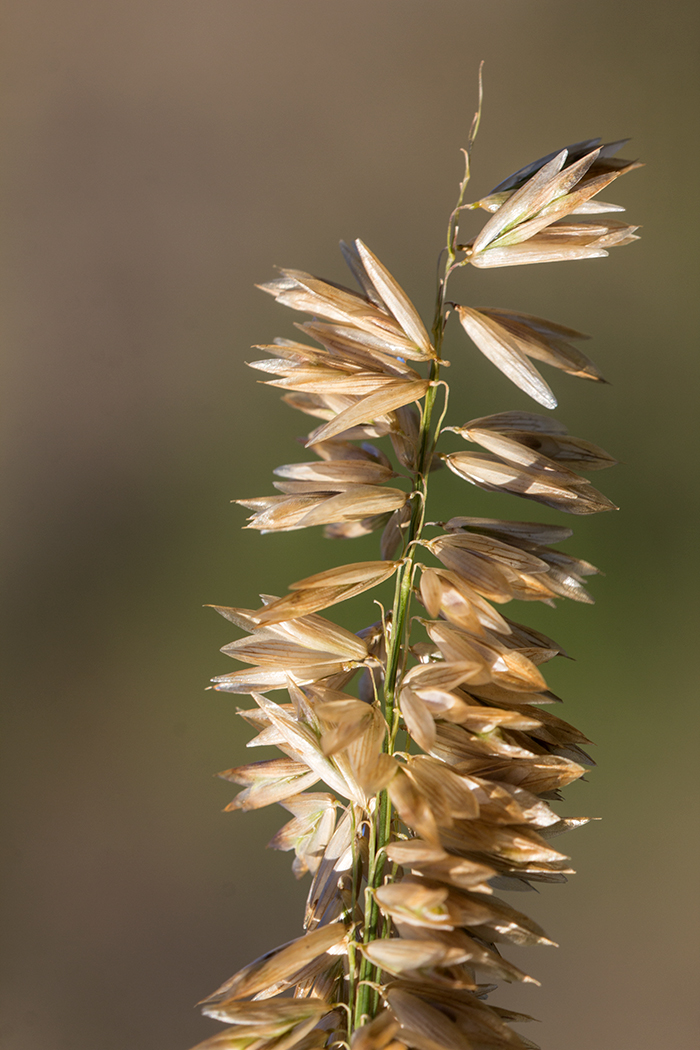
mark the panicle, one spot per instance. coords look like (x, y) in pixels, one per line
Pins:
(417, 757)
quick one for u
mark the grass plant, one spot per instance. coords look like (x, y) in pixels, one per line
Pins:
(419, 756)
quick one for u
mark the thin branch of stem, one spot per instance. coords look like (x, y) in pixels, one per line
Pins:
(364, 983)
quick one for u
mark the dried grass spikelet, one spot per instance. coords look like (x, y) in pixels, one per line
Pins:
(418, 758)
(525, 228)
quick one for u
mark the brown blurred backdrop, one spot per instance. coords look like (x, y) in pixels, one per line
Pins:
(162, 157)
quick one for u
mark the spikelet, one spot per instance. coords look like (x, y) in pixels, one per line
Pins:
(418, 757)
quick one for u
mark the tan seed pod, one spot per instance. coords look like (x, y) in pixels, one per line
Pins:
(546, 342)
(494, 474)
(416, 903)
(347, 718)
(364, 762)
(357, 572)
(307, 600)
(393, 537)
(446, 675)
(309, 832)
(482, 575)
(393, 395)
(280, 513)
(396, 299)
(377, 1034)
(358, 501)
(419, 721)
(431, 776)
(502, 349)
(512, 531)
(474, 953)
(271, 781)
(413, 808)
(352, 471)
(337, 860)
(561, 243)
(509, 558)
(304, 741)
(546, 197)
(243, 1037)
(525, 202)
(275, 1016)
(331, 381)
(279, 964)
(409, 852)
(251, 680)
(278, 652)
(422, 1026)
(513, 451)
(401, 956)
(388, 348)
(463, 605)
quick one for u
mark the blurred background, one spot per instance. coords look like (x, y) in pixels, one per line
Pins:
(161, 159)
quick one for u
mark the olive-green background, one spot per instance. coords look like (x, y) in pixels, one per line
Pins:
(163, 156)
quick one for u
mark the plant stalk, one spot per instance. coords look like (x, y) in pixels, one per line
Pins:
(366, 997)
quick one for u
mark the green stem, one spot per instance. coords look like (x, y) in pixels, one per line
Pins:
(366, 999)
(365, 996)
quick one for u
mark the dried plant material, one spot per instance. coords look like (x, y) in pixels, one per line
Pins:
(271, 781)
(275, 1017)
(482, 575)
(442, 675)
(435, 779)
(325, 589)
(329, 381)
(404, 850)
(604, 162)
(541, 189)
(279, 964)
(384, 348)
(461, 604)
(512, 531)
(358, 572)
(506, 353)
(337, 861)
(457, 871)
(358, 501)
(396, 299)
(413, 807)
(419, 721)
(495, 474)
(508, 668)
(481, 1024)
(378, 1034)
(541, 434)
(545, 341)
(338, 471)
(474, 955)
(241, 1037)
(280, 513)
(309, 832)
(549, 195)
(394, 394)
(392, 540)
(513, 450)
(565, 242)
(289, 651)
(303, 292)
(407, 956)
(251, 681)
